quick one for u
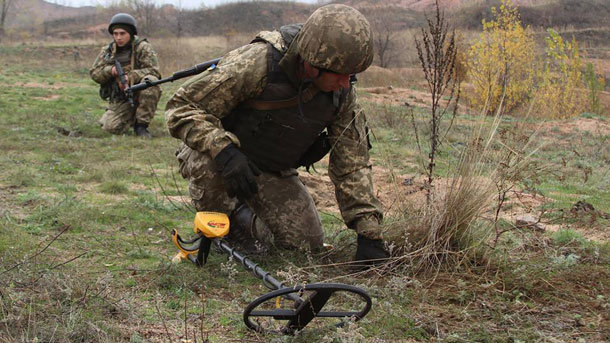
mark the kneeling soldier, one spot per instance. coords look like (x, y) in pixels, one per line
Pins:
(270, 107)
(138, 60)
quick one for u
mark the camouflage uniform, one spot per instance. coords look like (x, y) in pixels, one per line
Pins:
(194, 115)
(138, 66)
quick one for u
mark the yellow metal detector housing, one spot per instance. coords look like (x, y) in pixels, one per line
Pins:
(211, 224)
(208, 224)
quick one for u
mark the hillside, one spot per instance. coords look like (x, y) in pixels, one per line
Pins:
(39, 17)
(29, 13)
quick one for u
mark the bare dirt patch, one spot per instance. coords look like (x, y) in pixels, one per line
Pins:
(571, 126)
(397, 192)
(396, 96)
(7, 202)
(58, 85)
(49, 97)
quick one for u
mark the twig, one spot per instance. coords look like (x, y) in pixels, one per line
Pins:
(37, 253)
(186, 331)
(163, 321)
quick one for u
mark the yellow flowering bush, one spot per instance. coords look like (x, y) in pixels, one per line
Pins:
(560, 92)
(501, 62)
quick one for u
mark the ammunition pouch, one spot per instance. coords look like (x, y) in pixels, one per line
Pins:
(110, 91)
(316, 151)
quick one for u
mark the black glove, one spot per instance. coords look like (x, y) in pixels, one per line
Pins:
(370, 249)
(238, 173)
(316, 151)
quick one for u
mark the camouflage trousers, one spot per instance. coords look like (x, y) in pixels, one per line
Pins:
(121, 116)
(287, 217)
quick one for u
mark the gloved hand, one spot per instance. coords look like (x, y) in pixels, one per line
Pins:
(238, 173)
(370, 249)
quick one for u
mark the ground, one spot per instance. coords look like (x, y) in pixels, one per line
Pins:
(86, 219)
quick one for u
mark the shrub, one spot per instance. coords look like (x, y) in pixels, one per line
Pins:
(595, 84)
(501, 62)
(559, 93)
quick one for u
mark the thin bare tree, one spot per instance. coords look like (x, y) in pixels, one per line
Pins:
(437, 53)
(5, 8)
(385, 41)
(146, 13)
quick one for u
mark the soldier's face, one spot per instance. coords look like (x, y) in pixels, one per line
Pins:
(330, 82)
(121, 37)
(326, 81)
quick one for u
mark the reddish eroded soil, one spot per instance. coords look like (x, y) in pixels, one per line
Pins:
(572, 126)
(397, 192)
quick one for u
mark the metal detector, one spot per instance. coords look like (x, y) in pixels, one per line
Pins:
(307, 300)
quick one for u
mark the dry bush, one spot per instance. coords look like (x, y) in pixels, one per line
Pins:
(456, 227)
(445, 223)
(448, 229)
(437, 53)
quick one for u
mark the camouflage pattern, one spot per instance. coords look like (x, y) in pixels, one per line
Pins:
(338, 38)
(120, 115)
(279, 198)
(193, 115)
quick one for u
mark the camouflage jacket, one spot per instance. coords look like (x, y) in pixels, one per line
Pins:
(145, 63)
(194, 114)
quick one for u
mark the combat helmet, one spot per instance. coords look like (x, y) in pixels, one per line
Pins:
(123, 19)
(337, 38)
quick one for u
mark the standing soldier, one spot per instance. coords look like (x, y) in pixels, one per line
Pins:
(139, 63)
(281, 102)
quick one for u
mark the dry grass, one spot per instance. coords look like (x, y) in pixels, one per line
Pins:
(449, 228)
(180, 53)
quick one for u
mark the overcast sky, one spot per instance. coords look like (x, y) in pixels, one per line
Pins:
(184, 3)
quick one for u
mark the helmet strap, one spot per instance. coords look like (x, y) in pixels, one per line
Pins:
(302, 81)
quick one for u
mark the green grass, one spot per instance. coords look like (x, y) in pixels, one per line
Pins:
(100, 203)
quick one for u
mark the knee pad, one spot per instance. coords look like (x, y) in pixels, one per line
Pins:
(242, 232)
(242, 222)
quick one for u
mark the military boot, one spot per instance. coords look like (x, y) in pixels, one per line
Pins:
(241, 232)
(141, 130)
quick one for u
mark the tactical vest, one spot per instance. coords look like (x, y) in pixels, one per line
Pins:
(276, 138)
(110, 90)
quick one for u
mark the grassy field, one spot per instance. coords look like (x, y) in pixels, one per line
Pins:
(86, 218)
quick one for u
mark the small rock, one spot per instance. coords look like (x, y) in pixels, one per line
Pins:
(528, 221)
(582, 206)
(69, 133)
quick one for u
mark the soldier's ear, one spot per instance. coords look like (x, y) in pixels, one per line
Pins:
(310, 72)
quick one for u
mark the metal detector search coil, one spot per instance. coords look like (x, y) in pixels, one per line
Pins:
(308, 300)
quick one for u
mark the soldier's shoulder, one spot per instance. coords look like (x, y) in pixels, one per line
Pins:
(272, 37)
(106, 47)
(142, 43)
(249, 54)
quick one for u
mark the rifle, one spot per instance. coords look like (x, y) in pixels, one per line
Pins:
(197, 69)
(123, 79)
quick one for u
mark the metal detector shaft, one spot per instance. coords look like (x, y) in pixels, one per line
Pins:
(268, 280)
(197, 69)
